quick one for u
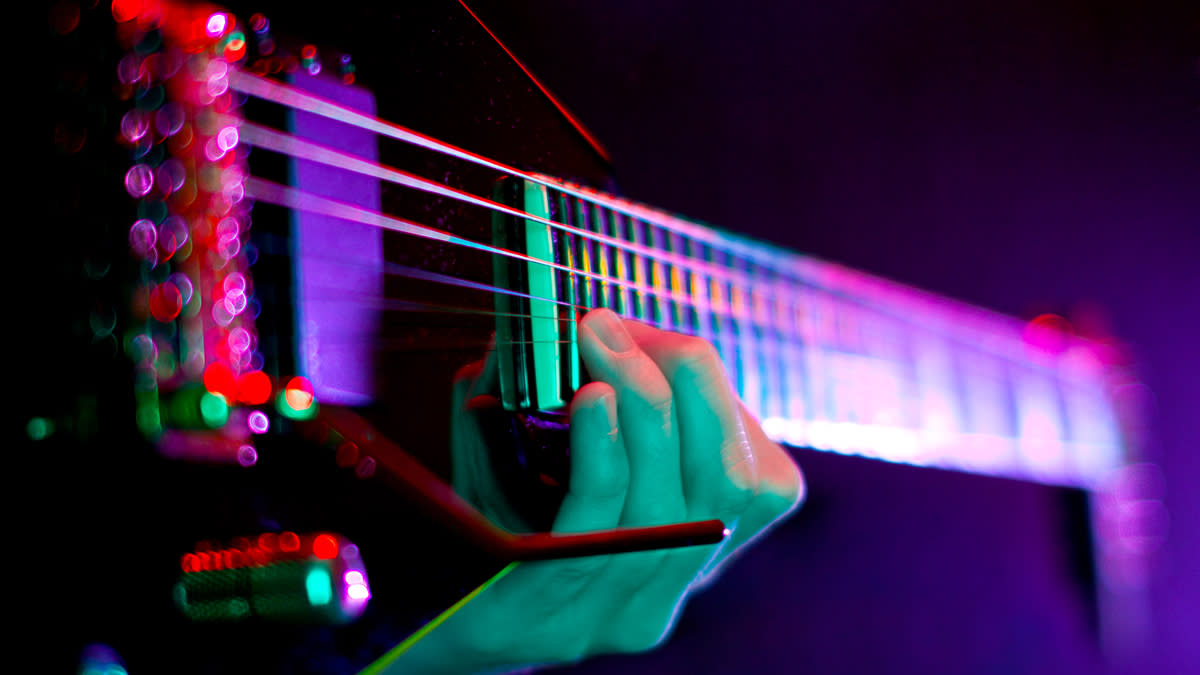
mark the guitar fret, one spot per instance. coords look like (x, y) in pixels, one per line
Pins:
(721, 323)
(770, 345)
(697, 289)
(560, 210)
(607, 294)
(620, 263)
(660, 274)
(685, 314)
(750, 378)
(791, 393)
(635, 231)
(823, 356)
(590, 296)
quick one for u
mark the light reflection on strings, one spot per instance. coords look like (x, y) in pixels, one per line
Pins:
(962, 321)
(289, 197)
(294, 146)
(269, 90)
(790, 269)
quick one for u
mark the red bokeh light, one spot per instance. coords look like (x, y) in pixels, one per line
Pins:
(289, 542)
(254, 387)
(268, 541)
(126, 10)
(299, 393)
(235, 50)
(325, 547)
(1049, 333)
(219, 379)
(166, 302)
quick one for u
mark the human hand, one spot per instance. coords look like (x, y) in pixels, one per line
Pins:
(657, 437)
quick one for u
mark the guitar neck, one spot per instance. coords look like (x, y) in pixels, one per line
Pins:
(827, 357)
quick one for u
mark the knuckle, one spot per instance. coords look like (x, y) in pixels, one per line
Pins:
(662, 403)
(655, 402)
(694, 354)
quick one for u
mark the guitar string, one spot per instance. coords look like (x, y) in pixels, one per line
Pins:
(780, 264)
(294, 146)
(766, 341)
(773, 348)
(407, 271)
(287, 144)
(290, 145)
(295, 98)
(289, 197)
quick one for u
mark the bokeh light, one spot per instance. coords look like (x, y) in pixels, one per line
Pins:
(319, 586)
(299, 394)
(165, 302)
(216, 24)
(254, 388)
(219, 379)
(247, 456)
(142, 238)
(258, 422)
(325, 546)
(126, 10)
(134, 125)
(139, 180)
(214, 410)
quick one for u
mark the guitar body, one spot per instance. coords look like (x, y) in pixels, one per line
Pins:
(429, 66)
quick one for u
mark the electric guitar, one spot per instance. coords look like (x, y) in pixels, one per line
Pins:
(281, 235)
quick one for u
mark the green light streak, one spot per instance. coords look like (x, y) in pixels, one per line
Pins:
(387, 659)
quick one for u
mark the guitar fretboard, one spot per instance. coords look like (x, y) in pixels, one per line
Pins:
(834, 359)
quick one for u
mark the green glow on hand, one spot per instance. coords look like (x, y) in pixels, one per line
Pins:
(319, 586)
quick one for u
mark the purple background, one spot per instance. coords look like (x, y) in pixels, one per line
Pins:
(1023, 155)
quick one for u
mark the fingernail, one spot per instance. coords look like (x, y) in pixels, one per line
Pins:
(610, 329)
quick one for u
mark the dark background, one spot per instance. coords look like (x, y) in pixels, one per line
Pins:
(1024, 156)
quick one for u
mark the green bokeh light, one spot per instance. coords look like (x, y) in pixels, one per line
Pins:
(319, 586)
(214, 410)
(39, 428)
